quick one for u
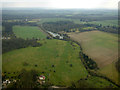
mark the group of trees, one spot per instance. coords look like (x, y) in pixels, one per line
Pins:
(90, 63)
(7, 29)
(68, 25)
(59, 26)
(110, 29)
(27, 79)
(64, 26)
(13, 42)
(82, 84)
(17, 43)
(118, 65)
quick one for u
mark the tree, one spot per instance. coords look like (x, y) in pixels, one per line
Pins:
(28, 79)
(118, 65)
(71, 65)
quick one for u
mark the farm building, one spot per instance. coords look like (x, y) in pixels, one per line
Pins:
(6, 82)
(41, 77)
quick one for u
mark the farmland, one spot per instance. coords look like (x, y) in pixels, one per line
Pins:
(29, 32)
(53, 52)
(101, 47)
(111, 72)
(85, 57)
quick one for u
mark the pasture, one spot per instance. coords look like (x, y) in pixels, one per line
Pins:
(111, 72)
(58, 60)
(28, 32)
(102, 47)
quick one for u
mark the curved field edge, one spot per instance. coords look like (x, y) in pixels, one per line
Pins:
(101, 47)
(28, 32)
(59, 53)
(111, 72)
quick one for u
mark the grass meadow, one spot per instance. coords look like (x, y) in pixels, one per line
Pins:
(67, 69)
(54, 52)
(29, 32)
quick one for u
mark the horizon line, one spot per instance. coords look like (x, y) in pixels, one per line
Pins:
(59, 8)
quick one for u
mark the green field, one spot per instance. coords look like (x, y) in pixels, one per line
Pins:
(106, 22)
(29, 32)
(111, 72)
(59, 53)
(101, 47)
(54, 52)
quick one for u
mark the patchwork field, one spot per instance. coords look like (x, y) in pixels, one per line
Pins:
(67, 68)
(101, 47)
(29, 32)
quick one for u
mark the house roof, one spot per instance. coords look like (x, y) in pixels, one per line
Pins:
(42, 77)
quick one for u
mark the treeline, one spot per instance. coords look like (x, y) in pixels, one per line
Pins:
(118, 65)
(63, 26)
(110, 29)
(17, 43)
(90, 63)
(93, 17)
(27, 79)
(59, 26)
(22, 22)
(100, 27)
(23, 16)
(87, 61)
(68, 25)
(7, 27)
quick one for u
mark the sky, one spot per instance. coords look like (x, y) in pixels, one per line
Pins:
(61, 4)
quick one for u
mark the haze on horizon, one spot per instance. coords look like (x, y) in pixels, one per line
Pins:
(61, 4)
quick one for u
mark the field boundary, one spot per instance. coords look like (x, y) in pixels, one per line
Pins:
(88, 70)
(92, 73)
